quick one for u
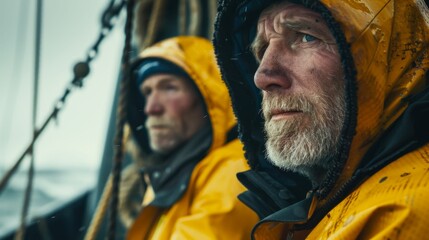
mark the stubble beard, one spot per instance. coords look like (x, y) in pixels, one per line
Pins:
(166, 140)
(309, 142)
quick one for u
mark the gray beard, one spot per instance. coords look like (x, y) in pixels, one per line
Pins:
(309, 145)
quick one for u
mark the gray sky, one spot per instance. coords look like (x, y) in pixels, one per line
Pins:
(73, 147)
(69, 28)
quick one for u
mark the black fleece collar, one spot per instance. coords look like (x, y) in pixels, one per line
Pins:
(170, 180)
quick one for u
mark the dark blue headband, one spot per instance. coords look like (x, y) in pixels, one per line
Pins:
(156, 66)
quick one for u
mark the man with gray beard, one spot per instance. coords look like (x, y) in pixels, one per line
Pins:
(306, 143)
(332, 102)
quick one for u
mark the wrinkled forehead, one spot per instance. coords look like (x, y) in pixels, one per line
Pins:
(284, 13)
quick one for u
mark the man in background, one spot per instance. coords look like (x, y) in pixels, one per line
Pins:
(183, 127)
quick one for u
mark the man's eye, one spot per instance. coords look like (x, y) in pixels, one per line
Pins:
(308, 38)
(170, 88)
(259, 53)
(146, 93)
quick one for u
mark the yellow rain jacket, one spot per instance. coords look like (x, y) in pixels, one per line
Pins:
(208, 208)
(379, 188)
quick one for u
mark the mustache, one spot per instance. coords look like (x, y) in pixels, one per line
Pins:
(274, 103)
(158, 121)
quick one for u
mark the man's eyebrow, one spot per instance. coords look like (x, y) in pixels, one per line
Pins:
(256, 45)
(316, 29)
(167, 79)
(302, 25)
(162, 81)
(295, 25)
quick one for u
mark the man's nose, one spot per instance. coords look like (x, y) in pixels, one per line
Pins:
(272, 73)
(153, 106)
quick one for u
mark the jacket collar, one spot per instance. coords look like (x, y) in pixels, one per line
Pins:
(170, 180)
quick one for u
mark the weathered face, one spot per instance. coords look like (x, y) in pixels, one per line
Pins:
(174, 111)
(301, 79)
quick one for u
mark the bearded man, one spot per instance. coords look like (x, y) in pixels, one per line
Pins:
(332, 102)
(184, 129)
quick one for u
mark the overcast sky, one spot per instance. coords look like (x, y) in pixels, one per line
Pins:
(69, 28)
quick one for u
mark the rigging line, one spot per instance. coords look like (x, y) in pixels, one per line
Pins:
(80, 70)
(53, 115)
(10, 98)
(100, 211)
(154, 23)
(212, 9)
(37, 62)
(121, 119)
(182, 17)
(195, 19)
(142, 20)
(27, 197)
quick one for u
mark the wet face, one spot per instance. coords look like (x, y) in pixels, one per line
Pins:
(301, 79)
(174, 111)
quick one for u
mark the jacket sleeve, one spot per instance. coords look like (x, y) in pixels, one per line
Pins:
(216, 213)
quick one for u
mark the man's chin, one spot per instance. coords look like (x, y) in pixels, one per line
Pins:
(163, 146)
(282, 163)
(289, 156)
(159, 131)
(287, 128)
(162, 149)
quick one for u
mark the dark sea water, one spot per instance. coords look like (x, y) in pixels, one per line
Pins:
(51, 189)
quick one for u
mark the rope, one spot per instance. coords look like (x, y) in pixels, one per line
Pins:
(125, 191)
(121, 119)
(100, 212)
(154, 22)
(26, 205)
(142, 20)
(149, 19)
(182, 17)
(212, 9)
(130, 194)
(195, 21)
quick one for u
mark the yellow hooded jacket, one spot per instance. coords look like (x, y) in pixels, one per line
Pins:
(209, 208)
(379, 188)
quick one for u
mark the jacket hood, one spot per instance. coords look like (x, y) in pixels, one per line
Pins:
(385, 55)
(195, 56)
